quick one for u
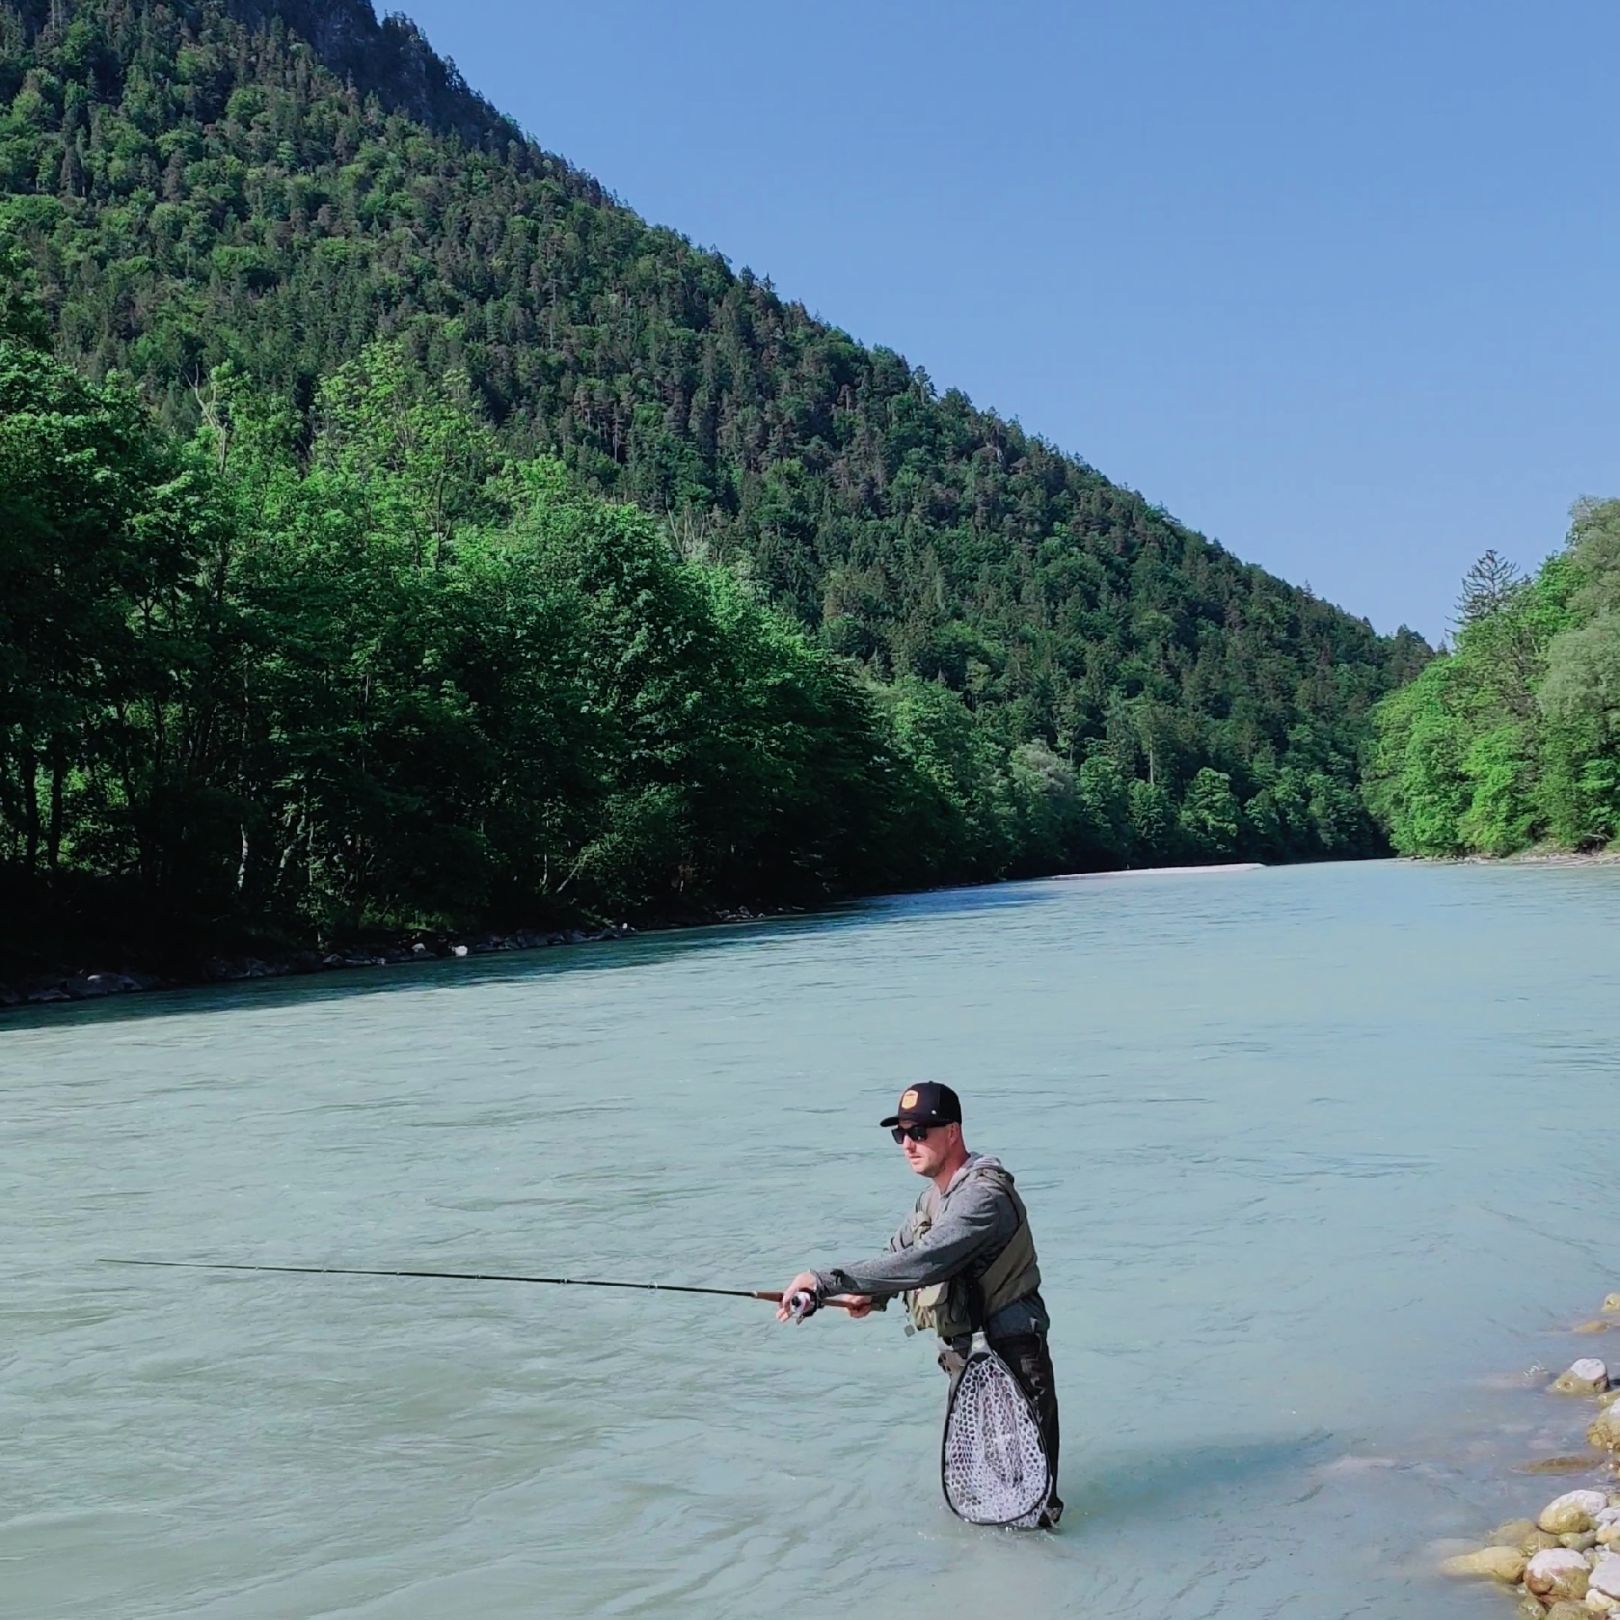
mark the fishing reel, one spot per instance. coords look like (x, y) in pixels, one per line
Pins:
(801, 1305)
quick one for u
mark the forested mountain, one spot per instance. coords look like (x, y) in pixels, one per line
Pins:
(273, 188)
(1513, 738)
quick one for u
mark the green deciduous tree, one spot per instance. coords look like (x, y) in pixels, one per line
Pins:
(1153, 823)
(1210, 817)
(1105, 801)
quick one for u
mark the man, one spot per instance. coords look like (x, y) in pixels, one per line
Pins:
(963, 1256)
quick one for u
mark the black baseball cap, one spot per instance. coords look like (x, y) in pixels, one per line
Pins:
(927, 1104)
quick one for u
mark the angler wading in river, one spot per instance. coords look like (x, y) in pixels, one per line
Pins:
(964, 1263)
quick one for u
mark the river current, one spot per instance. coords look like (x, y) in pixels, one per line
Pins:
(1320, 1162)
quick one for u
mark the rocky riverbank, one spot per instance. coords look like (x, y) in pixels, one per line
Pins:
(94, 984)
(1564, 1564)
(1548, 857)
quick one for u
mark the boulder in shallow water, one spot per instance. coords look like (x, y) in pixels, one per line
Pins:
(1611, 1306)
(1558, 1572)
(1588, 1376)
(1511, 1534)
(1568, 1609)
(1504, 1564)
(1597, 1326)
(1606, 1573)
(1574, 1510)
(1604, 1429)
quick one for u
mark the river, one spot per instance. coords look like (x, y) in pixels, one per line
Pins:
(1320, 1162)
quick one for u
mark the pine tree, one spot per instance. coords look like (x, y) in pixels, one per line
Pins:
(1490, 584)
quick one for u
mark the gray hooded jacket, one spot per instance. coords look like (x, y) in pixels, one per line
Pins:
(970, 1224)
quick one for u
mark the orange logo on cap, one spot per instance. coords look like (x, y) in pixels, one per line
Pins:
(909, 1100)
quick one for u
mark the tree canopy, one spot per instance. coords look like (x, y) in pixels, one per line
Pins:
(396, 526)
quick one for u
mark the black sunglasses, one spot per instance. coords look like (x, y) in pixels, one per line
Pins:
(917, 1133)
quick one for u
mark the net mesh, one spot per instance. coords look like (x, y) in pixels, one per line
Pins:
(993, 1465)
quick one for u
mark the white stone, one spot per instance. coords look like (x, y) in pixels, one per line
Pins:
(1606, 1573)
(1556, 1572)
(1588, 1376)
(1601, 1602)
(1574, 1510)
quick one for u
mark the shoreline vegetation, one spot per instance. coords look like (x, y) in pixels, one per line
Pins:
(262, 698)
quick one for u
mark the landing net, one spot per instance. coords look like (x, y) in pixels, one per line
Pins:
(992, 1463)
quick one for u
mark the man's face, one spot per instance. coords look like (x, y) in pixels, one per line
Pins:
(926, 1156)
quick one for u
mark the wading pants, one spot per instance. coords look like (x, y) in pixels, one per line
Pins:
(1030, 1362)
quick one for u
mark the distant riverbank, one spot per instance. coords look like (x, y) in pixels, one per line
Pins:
(64, 985)
(1168, 871)
(1548, 857)
(47, 988)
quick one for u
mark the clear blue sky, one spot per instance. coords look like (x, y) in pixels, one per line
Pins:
(1335, 281)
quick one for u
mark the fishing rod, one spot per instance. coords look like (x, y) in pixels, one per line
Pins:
(488, 1276)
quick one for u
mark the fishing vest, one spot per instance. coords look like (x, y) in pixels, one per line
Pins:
(966, 1303)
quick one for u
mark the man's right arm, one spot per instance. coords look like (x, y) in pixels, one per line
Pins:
(814, 1281)
(978, 1218)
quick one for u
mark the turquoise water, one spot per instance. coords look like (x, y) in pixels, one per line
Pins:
(1320, 1161)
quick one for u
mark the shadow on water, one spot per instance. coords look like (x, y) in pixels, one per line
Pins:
(1121, 1485)
(506, 966)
